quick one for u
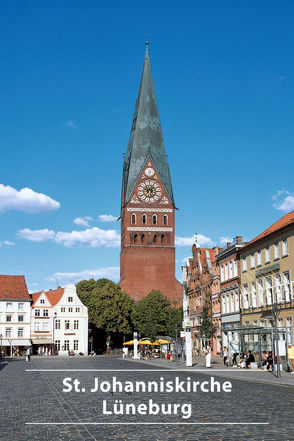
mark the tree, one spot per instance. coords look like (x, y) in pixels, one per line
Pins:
(109, 309)
(154, 316)
(207, 328)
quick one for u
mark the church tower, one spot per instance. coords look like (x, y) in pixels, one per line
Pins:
(147, 259)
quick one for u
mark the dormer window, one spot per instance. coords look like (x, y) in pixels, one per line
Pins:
(42, 301)
(70, 299)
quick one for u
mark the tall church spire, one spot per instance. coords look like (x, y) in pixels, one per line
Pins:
(145, 138)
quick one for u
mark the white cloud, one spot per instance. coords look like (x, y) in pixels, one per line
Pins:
(26, 200)
(83, 221)
(111, 272)
(7, 243)
(71, 124)
(91, 237)
(107, 218)
(284, 201)
(225, 239)
(203, 241)
(37, 235)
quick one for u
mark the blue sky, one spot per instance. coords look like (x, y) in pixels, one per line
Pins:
(70, 72)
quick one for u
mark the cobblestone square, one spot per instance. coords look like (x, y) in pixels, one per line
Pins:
(37, 397)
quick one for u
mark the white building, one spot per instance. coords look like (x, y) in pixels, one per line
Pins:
(15, 312)
(59, 322)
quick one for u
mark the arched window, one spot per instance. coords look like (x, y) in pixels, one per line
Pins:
(154, 219)
(155, 238)
(164, 219)
(133, 219)
(144, 219)
(143, 238)
(162, 239)
(135, 238)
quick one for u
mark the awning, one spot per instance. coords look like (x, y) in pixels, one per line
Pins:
(15, 342)
(42, 341)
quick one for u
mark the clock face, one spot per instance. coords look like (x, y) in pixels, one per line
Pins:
(149, 191)
(149, 172)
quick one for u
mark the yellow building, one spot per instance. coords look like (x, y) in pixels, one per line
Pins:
(267, 274)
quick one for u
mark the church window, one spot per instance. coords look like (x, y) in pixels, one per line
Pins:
(133, 219)
(144, 219)
(135, 238)
(164, 219)
(163, 239)
(154, 219)
(143, 238)
(155, 238)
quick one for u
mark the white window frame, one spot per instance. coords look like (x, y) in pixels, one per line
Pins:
(245, 296)
(252, 261)
(269, 290)
(260, 292)
(244, 264)
(20, 332)
(230, 269)
(267, 255)
(285, 247)
(276, 250)
(258, 258)
(278, 288)
(253, 294)
(21, 306)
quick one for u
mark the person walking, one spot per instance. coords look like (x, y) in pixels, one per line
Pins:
(291, 356)
(225, 356)
(208, 357)
(28, 354)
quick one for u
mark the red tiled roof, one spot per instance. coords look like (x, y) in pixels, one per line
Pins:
(288, 219)
(54, 295)
(13, 287)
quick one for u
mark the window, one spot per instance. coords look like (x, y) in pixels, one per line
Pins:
(276, 250)
(135, 238)
(154, 219)
(252, 261)
(235, 268)
(224, 305)
(258, 256)
(37, 313)
(165, 219)
(8, 305)
(278, 288)
(228, 303)
(78, 309)
(143, 238)
(9, 318)
(42, 301)
(232, 302)
(66, 324)
(237, 301)
(20, 306)
(8, 332)
(133, 219)
(230, 269)
(76, 345)
(57, 324)
(222, 273)
(226, 271)
(286, 286)
(245, 296)
(253, 294)
(267, 255)
(285, 247)
(45, 326)
(36, 326)
(62, 309)
(244, 265)
(69, 309)
(45, 313)
(144, 219)
(57, 345)
(66, 345)
(20, 318)
(20, 332)
(155, 238)
(260, 292)
(269, 290)
(76, 324)
(162, 239)
(70, 299)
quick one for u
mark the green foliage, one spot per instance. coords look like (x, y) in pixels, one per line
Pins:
(109, 307)
(207, 328)
(154, 316)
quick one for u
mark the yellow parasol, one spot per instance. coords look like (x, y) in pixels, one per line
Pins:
(161, 341)
(145, 342)
(129, 343)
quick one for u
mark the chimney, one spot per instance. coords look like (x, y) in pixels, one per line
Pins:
(239, 239)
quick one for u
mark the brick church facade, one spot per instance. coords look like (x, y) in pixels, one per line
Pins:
(147, 259)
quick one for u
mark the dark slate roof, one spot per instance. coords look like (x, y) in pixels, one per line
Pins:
(145, 138)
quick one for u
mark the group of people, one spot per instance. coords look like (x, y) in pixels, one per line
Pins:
(244, 360)
(267, 361)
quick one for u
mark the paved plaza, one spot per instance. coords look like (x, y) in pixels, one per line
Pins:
(37, 396)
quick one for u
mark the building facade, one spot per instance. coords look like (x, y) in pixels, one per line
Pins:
(267, 269)
(59, 322)
(15, 312)
(147, 259)
(229, 264)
